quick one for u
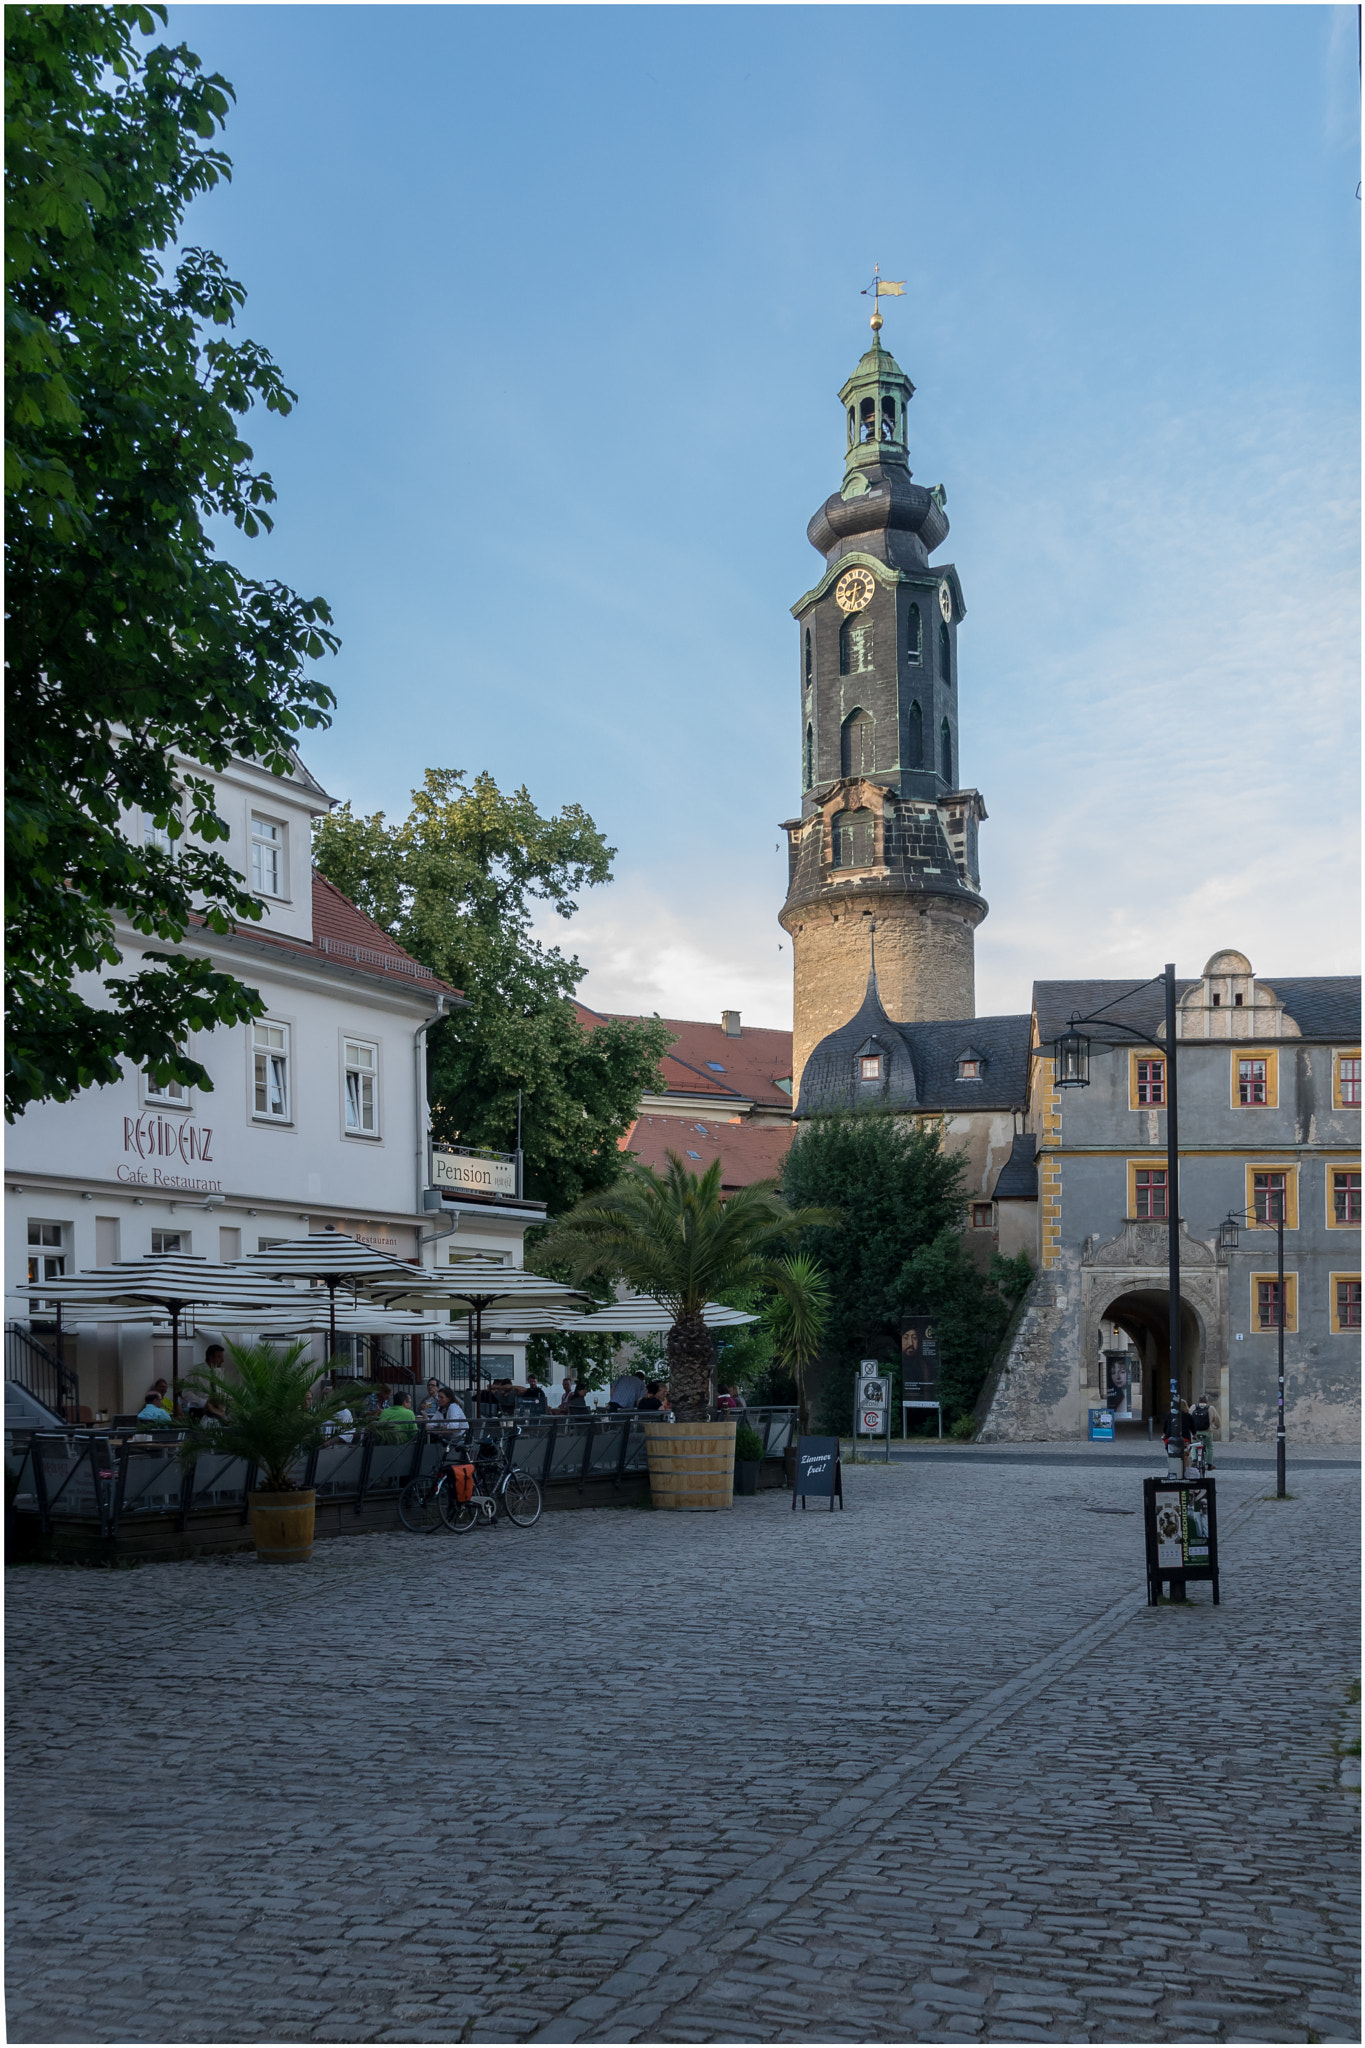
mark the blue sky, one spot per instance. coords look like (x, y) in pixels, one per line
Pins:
(567, 294)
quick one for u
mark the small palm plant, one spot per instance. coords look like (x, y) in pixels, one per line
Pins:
(797, 1320)
(672, 1237)
(273, 1419)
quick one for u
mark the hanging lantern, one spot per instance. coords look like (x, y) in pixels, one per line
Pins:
(1071, 1056)
(1229, 1234)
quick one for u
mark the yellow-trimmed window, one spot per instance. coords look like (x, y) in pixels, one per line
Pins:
(1272, 1186)
(1255, 1077)
(1265, 1296)
(1346, 1078)
(1146, 1079)
(1147, 1190)
(1345, 1303)
(1343, 1194)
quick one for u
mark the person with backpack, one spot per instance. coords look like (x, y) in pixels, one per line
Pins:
(1204, 1420)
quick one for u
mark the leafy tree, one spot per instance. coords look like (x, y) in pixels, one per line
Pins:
(457, 883)
(798, 1323)
(900, 1252)
(129, 641)
(673, 1238)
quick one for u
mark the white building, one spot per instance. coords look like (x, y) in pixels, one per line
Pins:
(317, 1115)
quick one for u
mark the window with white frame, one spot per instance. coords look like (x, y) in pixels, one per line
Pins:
(267, 856)
(361, 1073)
(270, 1071)
(156, 835)
(45, 1252)
(170, 1241)
(173, 1092)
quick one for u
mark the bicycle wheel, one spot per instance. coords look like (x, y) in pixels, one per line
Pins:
(457, 1514)
(419, 1506)
(521, 1498)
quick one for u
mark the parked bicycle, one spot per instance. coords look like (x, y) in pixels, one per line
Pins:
(499, 1487)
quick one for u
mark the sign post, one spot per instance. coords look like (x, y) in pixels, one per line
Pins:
(818, 1471)
(872, 1411)
(1181, 1520)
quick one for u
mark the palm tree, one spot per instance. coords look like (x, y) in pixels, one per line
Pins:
(671, 1236)
(797, 1321)
(273, 1416)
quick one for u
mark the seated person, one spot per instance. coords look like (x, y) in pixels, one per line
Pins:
(153, 1412)
(450, 1414)
(651, 1405)
(429, 1409)
(535, 1393)
(398, 1418)
(577, 1403)
(158, 1392)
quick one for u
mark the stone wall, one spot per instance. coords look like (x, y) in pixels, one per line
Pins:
(925, 964)
(1034, 1394)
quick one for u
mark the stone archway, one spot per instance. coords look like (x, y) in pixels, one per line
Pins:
(1124, 1281)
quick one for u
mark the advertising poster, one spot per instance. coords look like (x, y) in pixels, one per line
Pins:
(1170, 1528)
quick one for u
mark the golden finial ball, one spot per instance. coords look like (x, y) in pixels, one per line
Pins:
(876, 323)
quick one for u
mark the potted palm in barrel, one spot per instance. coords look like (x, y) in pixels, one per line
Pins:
(672, 1237)
(271, 1418)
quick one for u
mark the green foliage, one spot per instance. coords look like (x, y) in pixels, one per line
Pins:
(748, 1445)
(129, 641)
(799, 1322)
(272, 1421)
(900, 1253)
(457, 882)
(672, 1238)
(963, 1430)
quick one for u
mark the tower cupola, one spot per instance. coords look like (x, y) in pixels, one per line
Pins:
(876, 401)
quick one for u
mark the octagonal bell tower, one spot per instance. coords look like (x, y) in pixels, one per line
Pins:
(886, 830)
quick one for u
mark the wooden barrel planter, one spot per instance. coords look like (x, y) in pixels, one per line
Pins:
(691, 1464)
(282, 1526)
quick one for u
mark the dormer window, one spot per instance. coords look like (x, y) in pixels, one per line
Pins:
(970, 1064)
(870, 1066)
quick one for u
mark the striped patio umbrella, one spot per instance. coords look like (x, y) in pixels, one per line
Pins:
(171, 1282)
(334, 1259)
(478, 1286)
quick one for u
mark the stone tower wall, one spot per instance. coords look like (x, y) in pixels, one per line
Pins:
(925, 964)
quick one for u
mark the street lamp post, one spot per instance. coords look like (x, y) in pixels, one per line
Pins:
(1229, 1237)
(1071, 1053)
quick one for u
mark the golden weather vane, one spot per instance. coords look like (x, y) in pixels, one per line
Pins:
(881, 288)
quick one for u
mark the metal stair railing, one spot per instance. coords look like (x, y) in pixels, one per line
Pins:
(31, 1366)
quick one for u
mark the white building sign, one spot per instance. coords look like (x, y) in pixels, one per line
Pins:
(465, 1173)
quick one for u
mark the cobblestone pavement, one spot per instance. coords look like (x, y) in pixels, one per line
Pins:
(925, 1771)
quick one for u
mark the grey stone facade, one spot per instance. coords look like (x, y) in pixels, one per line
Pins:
(1103, 1256)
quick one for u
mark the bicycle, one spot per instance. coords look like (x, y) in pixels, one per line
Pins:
(421, 1502)
(499, 1487)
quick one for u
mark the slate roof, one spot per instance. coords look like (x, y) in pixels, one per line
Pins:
(747, 1151)
(1017, 1180)
(1324, 1006)
(922, 1060)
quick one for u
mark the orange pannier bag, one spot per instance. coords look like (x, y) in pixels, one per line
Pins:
(462, 1479)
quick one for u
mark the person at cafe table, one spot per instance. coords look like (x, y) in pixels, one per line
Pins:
(152, 1410)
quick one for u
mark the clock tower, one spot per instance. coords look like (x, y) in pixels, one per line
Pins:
(887, 835)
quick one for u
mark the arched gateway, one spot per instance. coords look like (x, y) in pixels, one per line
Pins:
(1124, 1288)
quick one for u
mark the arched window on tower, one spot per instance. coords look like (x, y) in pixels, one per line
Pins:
(888, 419)
(945, 741)
(810, 659)
(915, 736)
(808, 763)
(853, 839)
(868, 420)
(857, 743)
(945, 656)
(852, 425)
(855, 644)
(914, 636)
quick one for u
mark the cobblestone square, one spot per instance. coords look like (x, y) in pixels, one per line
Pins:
(928, 1770)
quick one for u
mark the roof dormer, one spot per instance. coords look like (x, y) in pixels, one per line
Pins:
(1229, 1002)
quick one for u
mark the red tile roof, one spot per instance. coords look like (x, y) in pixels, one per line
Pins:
(750, 1066)
(747, 1151)
(343, 934)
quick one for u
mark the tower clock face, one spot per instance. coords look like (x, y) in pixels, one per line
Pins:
(945, 601)
(853, 592)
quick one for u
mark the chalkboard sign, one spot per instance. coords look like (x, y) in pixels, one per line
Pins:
(818, 1471)
(1181, 1517)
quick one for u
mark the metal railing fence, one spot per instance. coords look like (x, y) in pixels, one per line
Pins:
(88, 1476)
(32, 1366)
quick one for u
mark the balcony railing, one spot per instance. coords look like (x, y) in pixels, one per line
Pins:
(32, 1366)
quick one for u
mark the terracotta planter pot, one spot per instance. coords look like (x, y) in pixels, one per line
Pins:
(691, 1464)
(282, 1526)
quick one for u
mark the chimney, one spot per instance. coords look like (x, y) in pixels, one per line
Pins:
(729, 1023)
